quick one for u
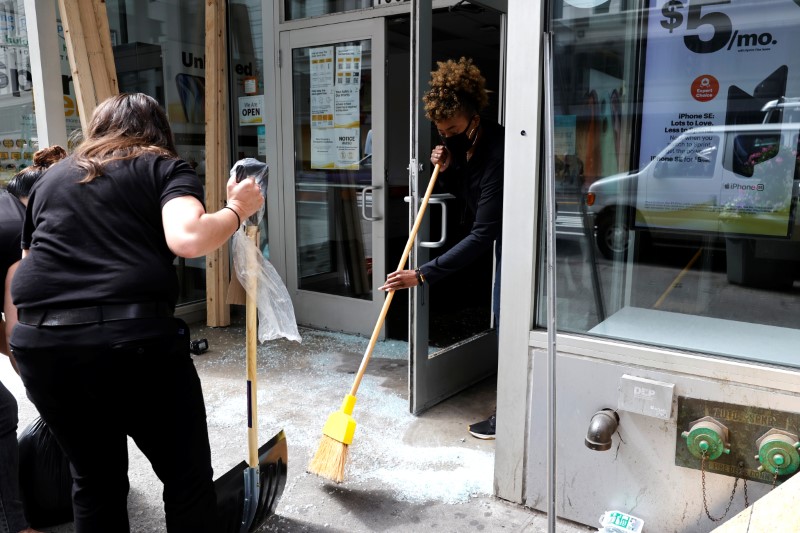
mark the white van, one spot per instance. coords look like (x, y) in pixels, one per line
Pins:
(732, 182)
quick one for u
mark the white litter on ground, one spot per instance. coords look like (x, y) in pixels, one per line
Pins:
(383, 453)
(445, 475)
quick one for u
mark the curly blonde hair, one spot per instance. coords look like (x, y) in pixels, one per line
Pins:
(456, 86)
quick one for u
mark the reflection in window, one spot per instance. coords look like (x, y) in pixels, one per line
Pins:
(752, 150)
(300, 9)
(689, 157)
(704, 265)
(17, 121)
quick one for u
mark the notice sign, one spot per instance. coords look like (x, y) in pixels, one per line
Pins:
(347, 107)
(348, 133)
(710, 68)
(348, 65)
(348, 148)
(261, 132)
(323, 144)
(251, 110)
(323, 148)
(322, 107)
(321, 66)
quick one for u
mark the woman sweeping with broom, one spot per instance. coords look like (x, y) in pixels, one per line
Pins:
(471, 163)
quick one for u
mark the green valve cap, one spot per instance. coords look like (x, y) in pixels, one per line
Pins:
(703, 445)
(778, 459)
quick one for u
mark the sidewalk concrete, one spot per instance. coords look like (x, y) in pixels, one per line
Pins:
(404, 473)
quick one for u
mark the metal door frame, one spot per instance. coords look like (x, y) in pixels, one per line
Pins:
(316, 309)
(435, 377)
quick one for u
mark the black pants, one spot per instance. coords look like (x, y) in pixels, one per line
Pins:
(12, 519)
(95, 385)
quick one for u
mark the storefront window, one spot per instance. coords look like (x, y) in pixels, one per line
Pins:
(159, 49)
(17, 120)
(677, 174)
(246, 72)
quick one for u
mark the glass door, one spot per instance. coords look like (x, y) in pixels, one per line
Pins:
(332, 80)
(453, 340)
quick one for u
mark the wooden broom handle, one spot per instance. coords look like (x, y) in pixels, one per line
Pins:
(387, 302)
(251, 337)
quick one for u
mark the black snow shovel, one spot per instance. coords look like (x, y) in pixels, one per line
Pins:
(248, 493)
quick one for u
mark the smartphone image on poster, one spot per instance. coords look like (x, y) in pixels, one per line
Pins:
(191, 90)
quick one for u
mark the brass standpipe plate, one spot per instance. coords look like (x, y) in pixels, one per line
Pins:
(748, 430)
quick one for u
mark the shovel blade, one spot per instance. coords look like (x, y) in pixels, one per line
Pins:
(247, 496)
(272, 462)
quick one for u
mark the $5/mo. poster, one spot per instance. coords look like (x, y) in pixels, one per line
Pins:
(713, 63)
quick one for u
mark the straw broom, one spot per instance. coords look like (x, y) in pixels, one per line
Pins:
(337, 434)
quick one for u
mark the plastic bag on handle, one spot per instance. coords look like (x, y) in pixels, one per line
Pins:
(275, 311)
(259, 171)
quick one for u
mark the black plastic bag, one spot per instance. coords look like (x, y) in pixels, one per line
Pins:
(44, 477)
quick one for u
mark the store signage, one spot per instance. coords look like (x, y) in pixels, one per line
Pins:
(645, 396)
(716, 64)
(335, 107)
(251, 110)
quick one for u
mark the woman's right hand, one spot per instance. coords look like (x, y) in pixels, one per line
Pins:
(440, 156)
(245, 196)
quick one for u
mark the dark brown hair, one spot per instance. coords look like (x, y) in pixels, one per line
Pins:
(22, 182)
(456, 86)
(123, 127)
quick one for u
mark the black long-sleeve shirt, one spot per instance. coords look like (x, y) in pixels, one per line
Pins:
(479, 183)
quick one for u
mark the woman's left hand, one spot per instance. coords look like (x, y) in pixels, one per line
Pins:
(401, 279)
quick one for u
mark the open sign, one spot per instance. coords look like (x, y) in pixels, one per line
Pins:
(251, 110)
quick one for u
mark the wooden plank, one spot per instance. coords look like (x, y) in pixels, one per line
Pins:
(775, 511)
(91, 58)
(217, 153)
(78, 60)
(111, 86)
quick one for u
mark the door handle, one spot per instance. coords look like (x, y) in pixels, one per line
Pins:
(440, 199)
(364, 203)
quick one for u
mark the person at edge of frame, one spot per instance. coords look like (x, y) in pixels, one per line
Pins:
(471, 168)
(98, 348)
(12, 215)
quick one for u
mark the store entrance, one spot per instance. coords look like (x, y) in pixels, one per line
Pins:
(348, 218)
(452, 340)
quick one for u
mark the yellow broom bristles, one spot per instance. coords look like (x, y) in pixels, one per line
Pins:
(330, 459)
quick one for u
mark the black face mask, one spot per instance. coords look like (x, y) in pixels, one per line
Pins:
(459, 143)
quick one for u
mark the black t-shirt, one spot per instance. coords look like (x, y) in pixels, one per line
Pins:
(101, 242)
(479, 184)
(12, 213)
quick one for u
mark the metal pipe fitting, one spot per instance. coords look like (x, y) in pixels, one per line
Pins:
(602, 427)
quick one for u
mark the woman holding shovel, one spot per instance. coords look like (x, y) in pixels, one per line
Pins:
(98, 348)
(471, 169)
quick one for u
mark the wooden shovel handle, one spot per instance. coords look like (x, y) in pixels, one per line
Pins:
(251, 338)
(388, 301)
